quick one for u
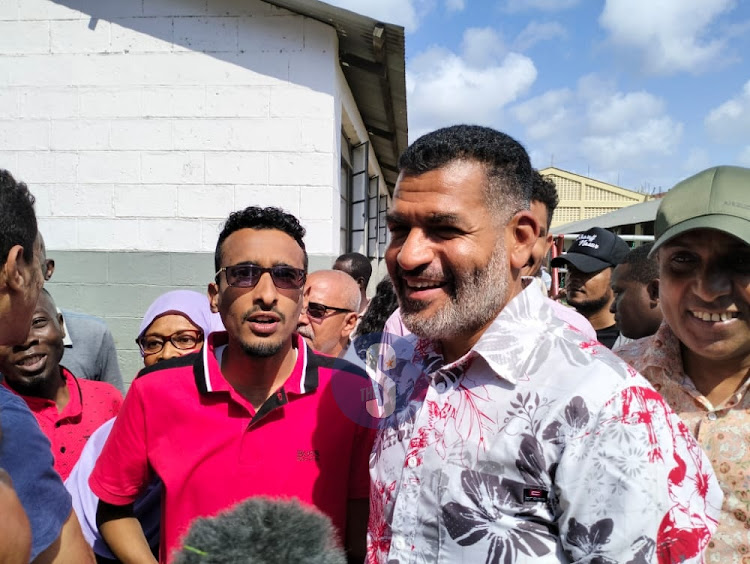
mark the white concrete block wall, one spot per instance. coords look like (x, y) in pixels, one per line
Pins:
(141, 125)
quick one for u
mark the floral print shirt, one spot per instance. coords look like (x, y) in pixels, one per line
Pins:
(538, 445)
(722, 430)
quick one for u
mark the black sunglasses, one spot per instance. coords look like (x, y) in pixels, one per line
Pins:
(318, 311)
(246, 275)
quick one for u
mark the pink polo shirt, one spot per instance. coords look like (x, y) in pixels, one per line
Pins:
(91, 404)
(183, 421)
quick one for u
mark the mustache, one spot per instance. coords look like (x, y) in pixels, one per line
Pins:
(258, 309)
(305, 331)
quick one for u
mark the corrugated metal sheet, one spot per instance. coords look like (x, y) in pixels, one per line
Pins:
(637, 213)
(377, 78)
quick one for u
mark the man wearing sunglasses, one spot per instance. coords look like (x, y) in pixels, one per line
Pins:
(329, 315)
(254, 413)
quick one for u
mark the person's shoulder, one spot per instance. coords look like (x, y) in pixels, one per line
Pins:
(634, 350)
(175, 369)
(96, 387)
(328, 364)
(12, 405)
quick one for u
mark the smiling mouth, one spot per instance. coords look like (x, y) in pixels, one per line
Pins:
(30, 360)
(713, 317)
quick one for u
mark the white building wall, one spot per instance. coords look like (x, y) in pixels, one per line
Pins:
(140, 124)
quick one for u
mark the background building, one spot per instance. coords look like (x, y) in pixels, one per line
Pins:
(140, 124)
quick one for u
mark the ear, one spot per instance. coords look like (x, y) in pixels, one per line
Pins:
(548, 243)
(14, 277)
(653, 292)
(49, 268)
(521, 233)
(350, 322)
(60, 323)
(213, 296)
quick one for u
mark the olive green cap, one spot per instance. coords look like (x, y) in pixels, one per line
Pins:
(717, 198)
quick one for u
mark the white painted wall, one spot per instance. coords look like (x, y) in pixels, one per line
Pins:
(140, 124)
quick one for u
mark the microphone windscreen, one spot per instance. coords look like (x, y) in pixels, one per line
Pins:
(260, 530)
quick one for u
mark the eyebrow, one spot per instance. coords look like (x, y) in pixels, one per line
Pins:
(432, 219)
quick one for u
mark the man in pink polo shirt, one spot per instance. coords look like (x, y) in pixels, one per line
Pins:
(68, 409)
(256, 412)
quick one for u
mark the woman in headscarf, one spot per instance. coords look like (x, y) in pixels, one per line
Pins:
(176, 324)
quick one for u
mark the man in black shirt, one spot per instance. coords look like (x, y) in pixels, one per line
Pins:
(590, 262)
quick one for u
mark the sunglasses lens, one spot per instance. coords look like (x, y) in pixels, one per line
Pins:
(316, 311)
(243, 275)
(287, 277)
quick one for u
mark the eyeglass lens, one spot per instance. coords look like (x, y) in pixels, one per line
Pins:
(248, 275)
(183, 340)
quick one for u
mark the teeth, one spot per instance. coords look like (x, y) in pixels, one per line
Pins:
(423, 285)
(724, 316)
(715, 317)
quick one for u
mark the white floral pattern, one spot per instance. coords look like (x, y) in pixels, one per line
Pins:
(540, 446)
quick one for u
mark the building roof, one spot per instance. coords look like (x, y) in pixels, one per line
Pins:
(372, 56)
(637, 213)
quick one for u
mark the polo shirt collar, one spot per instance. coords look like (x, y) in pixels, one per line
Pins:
(72, 410)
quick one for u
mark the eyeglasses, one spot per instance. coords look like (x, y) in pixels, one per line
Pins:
(247, 275)
(315, 310)
(182, 340)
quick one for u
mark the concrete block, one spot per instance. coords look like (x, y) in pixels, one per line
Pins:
(108, 71)
(142, 35)
(83, 200)
(291, 101)
(37, 71)
(79, 135)
(256, 8)
(236, 168)
(117, 167)
(205, 201)
(192, 269)
(207, 34)
(172, 168)
(47, 167)
(321, 237)
(59, 232)
(9, 10)
(108, 234)
(48, 103)
(141, 134)
(240, 134)
(237, 101)
(210, 229)
(110, 102)
(77, 36)
(255, 68)
(19, 135)
(316, 71)
(320, 37)
(271, 34)
(196, 68)
(9, 161)
(116, 300)
(139, 268)
(125, 330)
(320, 261)
(42, 196)
(171, 235)
(24, 37)
(30, 10)
(174, 7)
(284, 197)
(137, 200)
(318, 135)
(65, 295)
(312, 169)
(77, 267)
(9, 106)
(317, 203)
(108, 9)
(174, 102)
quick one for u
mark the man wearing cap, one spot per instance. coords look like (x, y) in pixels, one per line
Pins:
(590, 261)
(700, 356)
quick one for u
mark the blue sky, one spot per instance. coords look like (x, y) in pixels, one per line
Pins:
(634, 92)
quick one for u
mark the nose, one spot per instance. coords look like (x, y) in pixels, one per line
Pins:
(415, 251)
(714, 283)
(265, 291)
(169, 351)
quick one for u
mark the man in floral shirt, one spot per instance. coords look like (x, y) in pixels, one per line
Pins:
(507, 436)
(699, 357)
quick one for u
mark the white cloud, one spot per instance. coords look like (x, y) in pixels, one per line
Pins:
(697, 159)
(542, 5)
(598, 128)
(455, 5)
(730, 122)
(473, 86)
(668, 36)
(536, 32)
(401, 12)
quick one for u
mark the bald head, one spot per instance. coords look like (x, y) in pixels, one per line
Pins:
(339, 293)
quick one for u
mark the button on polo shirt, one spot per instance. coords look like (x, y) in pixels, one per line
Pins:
(184, 422)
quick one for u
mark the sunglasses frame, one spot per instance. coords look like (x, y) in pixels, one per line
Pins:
(261, 270)
(306, 310)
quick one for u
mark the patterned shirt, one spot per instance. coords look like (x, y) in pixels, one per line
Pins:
(722, 430)
(536, 446)
(91, 404)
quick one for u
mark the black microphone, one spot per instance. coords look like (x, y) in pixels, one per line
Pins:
(260, 530)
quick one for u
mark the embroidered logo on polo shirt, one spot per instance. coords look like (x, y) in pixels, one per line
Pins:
(308, 455)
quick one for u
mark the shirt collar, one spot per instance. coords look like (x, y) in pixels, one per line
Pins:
(662, 350)
(73, 409)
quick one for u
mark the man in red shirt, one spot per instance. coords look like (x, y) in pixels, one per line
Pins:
(68, 409)
(256, 412)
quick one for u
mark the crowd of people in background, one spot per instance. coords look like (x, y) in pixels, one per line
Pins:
(458, 413)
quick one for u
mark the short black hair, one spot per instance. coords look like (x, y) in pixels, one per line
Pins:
(17, 218)
(642, 268)
(254, 217)
(507, 165)
(544, 190)
(380, 308)
(358, 266)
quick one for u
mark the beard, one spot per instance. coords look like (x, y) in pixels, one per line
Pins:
(475, 299)
(588, 307)
(262, 349)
